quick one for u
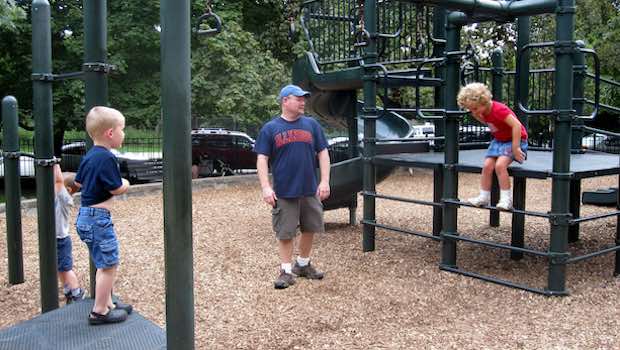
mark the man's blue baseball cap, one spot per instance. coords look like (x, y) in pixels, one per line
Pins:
(292, 90)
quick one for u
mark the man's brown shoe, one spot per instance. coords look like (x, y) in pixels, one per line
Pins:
(284, 280)
(308, 272)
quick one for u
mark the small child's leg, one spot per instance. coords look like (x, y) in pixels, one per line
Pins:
(505, 194)
(103, 294)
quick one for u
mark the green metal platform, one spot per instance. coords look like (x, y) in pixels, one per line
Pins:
(67, 328)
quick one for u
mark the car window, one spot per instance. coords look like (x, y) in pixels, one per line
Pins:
(243, 142)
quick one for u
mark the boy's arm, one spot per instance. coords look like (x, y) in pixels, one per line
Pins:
(262, 168)
(124, 187)
(515, 125)
(58, 180)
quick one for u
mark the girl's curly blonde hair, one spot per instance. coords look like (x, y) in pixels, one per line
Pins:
(474, 93)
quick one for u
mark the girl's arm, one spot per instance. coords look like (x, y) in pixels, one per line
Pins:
(515, 125)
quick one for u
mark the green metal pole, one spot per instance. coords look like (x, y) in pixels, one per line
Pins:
(497, 81)
(44, 151)
(451, 152)
(579, 71)
(560, 187)
(522, 85)
(176, 109)
(351, 114)
(439, 50)
(370, 119)
(95, 73)
(12, 189)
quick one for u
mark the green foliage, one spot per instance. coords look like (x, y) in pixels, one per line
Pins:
(9, 14)
(233, 76)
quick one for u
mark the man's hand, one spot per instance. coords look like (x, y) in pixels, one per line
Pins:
(269, 196)
(323, 190)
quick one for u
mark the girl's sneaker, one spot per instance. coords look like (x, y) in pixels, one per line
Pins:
(504, 204)
(479, 201)
(75, 295)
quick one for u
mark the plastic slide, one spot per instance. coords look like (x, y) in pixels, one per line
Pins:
(332, 99)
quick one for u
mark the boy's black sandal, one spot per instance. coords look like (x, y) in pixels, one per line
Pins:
(122, 306)
(113, 316)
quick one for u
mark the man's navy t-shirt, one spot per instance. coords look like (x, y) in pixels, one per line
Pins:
(98, 174)
(292, 148)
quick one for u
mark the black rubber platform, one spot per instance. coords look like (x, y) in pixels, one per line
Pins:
(68, 328)
(539, 164)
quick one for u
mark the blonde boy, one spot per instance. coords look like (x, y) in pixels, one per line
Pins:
(509, 141)
(99, 179)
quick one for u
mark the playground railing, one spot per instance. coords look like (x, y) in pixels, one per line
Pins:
(334, 30)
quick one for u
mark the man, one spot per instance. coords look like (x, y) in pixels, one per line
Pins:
(293, 143)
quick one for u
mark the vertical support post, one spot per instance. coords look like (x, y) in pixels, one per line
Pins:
(176, 109)
(12, 188)
(523, 68)
(370, 126)
(437, 193)
(579, 71)
(494, 213)
(575, 209)
(579, 75)
(561, 176)
(497, 77)
(44, 150)
(518, 220)
(95, 73)
(351, 115)
(439, 50)
(617, 262)
(451, 153)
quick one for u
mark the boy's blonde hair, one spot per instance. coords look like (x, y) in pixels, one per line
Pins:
(69, 182)
(100, 118)
(474, 93)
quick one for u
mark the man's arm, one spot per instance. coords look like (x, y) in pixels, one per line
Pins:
(262, 168)
(323, 190)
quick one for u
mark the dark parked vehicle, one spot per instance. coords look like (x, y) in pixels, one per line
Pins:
(134, 166)
(222, 151)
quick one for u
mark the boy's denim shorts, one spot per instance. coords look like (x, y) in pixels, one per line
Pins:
(64, 254)
(95, 228)
(501, 148)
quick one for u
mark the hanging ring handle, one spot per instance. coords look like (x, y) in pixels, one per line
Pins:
(209, 32)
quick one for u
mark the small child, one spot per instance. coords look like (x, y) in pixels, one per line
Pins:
(99, 178)
(509, 142)
(63, 189)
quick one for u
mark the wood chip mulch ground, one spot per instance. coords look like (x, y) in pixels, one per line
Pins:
(392, 298)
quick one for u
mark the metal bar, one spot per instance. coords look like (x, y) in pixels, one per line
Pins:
(489, 207)
(95, 80)
(401, 230)
(598, 131)
(370, 126)
(502, 282)
(575, 210)
(437, 193)
(402, 199)
(593, 254)
(594, 217)
(12, 192)
(176, 110)
(42, 111)
(495, 245)
(517, 233)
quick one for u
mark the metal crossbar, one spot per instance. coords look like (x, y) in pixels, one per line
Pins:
(593, 254)
(495, 245)
(489, 207)
(401, 230)
(402, 199)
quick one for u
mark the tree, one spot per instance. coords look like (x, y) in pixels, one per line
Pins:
(232, 76)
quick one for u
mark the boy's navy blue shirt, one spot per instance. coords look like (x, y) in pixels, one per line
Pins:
(98, 174)
(292, 148)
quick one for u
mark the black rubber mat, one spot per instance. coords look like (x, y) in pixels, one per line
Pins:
(68, 328)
